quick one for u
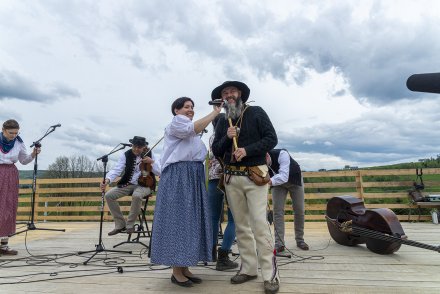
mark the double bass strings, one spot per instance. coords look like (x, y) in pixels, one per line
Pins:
(389, 238)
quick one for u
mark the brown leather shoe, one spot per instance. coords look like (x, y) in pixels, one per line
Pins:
(7, 251)
(115, 231)
(302, 245)
(242, 278)
(271, 287)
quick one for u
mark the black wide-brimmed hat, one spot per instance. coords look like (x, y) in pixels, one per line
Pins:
(138, 141)
(245, 91)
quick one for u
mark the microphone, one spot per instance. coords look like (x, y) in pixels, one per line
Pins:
(216, 102)
(55, 126)
(126, 144)
(426, 82)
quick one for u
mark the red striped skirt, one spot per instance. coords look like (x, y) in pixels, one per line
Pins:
(8, 199)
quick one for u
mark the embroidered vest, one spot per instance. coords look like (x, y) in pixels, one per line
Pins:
(130, 165)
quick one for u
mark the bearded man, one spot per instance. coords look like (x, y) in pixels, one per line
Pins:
(242, 139)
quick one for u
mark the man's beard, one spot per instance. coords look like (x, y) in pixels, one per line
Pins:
(233, 111)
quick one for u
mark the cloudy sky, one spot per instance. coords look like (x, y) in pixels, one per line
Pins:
(330, 74)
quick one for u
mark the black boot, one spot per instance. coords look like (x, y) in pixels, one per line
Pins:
(223, 261)
(214, 253)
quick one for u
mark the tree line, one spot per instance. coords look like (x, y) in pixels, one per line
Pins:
(75, 166)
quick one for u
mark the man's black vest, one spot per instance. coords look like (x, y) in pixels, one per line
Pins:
(294, 169)
(130, 165)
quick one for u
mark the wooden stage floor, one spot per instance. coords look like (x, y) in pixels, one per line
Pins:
(48, 263)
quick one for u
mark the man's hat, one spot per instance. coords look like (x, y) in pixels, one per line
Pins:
(138, 141)
(245, 91)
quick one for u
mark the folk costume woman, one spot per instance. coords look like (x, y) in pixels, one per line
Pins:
(12, 149)
(182, 232)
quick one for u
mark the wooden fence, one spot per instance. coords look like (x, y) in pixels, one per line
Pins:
(79, 199)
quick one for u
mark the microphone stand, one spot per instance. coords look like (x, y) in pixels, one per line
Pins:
(31, 225)
(100, 246)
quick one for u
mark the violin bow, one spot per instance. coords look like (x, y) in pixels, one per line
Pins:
(156, 143)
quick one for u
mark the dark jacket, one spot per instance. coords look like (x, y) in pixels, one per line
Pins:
(257, 136)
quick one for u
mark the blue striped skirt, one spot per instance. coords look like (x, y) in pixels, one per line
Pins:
(182, 233)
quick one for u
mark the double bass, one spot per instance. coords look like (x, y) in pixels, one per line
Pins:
(350, 223)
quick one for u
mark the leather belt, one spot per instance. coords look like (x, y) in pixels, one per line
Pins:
(236, 167)
(236, 170)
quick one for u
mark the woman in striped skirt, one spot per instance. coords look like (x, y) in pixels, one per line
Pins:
(12, 149)
(182, 233)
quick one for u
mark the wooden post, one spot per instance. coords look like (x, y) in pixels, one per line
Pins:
(37, 201)
(359, 184)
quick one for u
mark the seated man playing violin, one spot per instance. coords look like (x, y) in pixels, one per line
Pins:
(138, 180)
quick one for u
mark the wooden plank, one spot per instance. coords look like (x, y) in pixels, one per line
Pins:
(76, 208)
(399, 172)
(329, 195)
(331, 185)
(428, 204)
(66, 181)
(77, 199)
(25, 191)
(350, 173)
(403, 195)
(387, 205)
(87, 218)
(321, 217)
(69, 190)
(388, 184)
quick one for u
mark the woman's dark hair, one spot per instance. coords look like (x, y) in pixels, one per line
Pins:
(216, 119)
(178, 104)
(11, 124)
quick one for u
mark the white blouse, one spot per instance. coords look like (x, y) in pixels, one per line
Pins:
(181, 143)
(17, 153)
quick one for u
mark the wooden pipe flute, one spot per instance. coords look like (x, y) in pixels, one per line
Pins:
(234, 139)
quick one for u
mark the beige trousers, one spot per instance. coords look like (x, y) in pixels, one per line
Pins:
(112, 196)
(248, 204)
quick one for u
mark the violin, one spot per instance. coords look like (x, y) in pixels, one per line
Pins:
(350, 223)
(147, 177)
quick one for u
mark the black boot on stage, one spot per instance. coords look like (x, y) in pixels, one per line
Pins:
(223, 261)
(214, 253)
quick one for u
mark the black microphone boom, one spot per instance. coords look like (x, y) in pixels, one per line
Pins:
(216, 102)
(50, 130)
(126, 144)
(426, 82)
